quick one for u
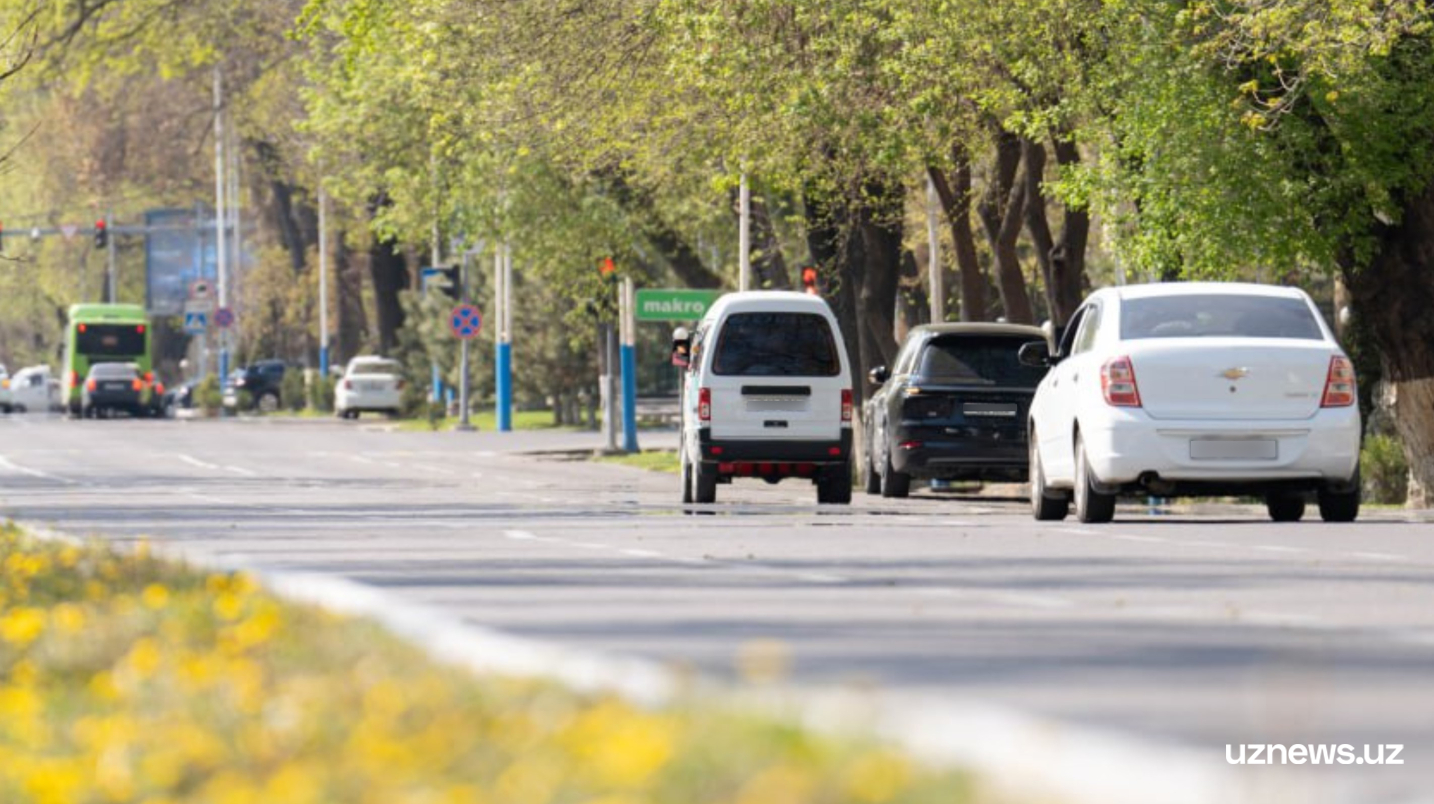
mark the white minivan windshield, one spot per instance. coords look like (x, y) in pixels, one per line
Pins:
(776, 344)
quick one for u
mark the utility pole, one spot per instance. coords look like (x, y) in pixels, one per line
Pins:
(324, 284)
(933, 246)
(744, 235)
(505, 340)
(220, 250)
(629, 366)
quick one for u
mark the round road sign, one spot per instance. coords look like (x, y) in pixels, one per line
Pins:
(223, 318)
(466, 321)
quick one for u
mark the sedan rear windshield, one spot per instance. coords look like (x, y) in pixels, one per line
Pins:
(977, 360)
(1218, 315)
(372, 369)
(776, 345)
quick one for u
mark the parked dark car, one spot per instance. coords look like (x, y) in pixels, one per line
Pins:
(262, 382)
(954, 407)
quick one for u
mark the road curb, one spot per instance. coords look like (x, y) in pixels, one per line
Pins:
(1010, 752)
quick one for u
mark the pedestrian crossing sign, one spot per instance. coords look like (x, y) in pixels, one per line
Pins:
(195, 322)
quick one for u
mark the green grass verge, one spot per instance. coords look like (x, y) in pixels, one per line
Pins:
(654, 460)
(486, 420)
(127, 678)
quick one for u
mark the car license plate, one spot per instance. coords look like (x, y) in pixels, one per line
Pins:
(1234, 449)
(116, 386)
(990, 410)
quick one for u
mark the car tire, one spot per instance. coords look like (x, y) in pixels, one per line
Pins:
(1340, 506)
(894, 484)
(268, 402)
(834, 485)
(686, 476)
(704, 483)
(1092, 505)
(871, 481)
(1285, 506)
(1046, 505)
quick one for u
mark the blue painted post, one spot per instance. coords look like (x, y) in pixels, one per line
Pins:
(503, 291)
(629, 368)
(323, 361)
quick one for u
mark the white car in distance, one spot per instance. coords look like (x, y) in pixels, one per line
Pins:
(1185, 389)
(370, 383)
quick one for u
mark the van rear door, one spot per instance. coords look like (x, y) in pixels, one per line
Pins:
(776, 375)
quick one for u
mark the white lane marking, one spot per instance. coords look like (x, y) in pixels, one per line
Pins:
(956, 523)
(437, 470)
(522, 535)
(643, 554)
(1019, 599)
(1147, 539)
(193, 461)
(15, 467)
(239, 470)
(1379, 556)
(207, 498)
(359, 459)
(1275, 548)
(818, 577)
(1203, 543)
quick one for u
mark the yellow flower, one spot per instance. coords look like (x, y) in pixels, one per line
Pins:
(22, 625)
(155, 597)
(69, 619)
(877, 776)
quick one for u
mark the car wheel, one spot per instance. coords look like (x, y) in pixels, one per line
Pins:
(268, 403)
(1285, 506)
(704, 483)
(871, 481)
(893, 483)
(1092, 505)
(1340, 506)
(1046, 505)
(834, 485)
(686, 475)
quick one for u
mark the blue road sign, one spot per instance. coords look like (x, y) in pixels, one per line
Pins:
(224, 318)
(195, 322)
(466, 321)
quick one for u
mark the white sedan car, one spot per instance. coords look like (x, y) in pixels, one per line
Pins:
(369, 383)
(1195, 389)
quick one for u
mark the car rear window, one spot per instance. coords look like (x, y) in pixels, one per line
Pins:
(776, 345)
(978, 360)
(110, 371)
(374, 368)
(1217, 315)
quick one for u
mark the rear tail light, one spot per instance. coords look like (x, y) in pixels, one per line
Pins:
(1339, 386)
(704, 405)
(149, 376)
(1117, 383)
(910, 445)
(91, 385)
(846, 407)
(137, 385)
(74, 378)
(159, 388)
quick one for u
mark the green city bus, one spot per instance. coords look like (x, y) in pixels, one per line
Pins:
(104, 333)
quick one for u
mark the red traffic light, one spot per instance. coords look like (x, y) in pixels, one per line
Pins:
(606, 267)
(809, 279)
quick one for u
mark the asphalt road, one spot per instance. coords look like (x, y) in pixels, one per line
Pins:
(1201, 627)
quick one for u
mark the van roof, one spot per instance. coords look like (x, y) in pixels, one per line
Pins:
(767, 301)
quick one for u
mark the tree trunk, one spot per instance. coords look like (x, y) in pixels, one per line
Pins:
(769, 269)
(295, 223)
(882, 233)
(388, 271)
(1393, 295)
(1068, 258)
(1038, 226)
(684, 260)
(956, 203)
(829, 240)
(913, 303)
(352, 319)
(1001, 211)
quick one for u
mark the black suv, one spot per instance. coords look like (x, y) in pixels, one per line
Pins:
(262, 380)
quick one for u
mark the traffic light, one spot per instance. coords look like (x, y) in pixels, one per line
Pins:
(809, 280)
(102, 234)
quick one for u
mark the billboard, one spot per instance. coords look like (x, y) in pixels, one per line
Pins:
(176, 252)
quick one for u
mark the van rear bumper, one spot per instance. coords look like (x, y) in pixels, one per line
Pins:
(774, 450)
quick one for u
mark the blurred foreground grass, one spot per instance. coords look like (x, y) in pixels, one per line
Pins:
(124, 678)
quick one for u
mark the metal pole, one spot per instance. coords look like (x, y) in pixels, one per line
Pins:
(220, 246)
(629, 368)
(436, 380)
(609, 401)
(323, 284)
(744, 235)
(464, 424)
(503, 382)
(110, 273)
(933, 245)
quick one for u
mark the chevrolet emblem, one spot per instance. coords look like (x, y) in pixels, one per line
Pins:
(1234, 373)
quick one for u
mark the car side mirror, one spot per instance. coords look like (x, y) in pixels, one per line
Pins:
(1036, 354)
(879, 375)
(681, 348)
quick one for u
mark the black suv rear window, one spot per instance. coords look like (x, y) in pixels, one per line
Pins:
(977, 360)
(776, 345)
(1217, 315)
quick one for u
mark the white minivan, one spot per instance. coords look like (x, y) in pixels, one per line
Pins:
(767, 395)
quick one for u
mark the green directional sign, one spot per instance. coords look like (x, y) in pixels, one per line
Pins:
(674, 304)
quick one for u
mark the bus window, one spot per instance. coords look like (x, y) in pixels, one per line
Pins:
(110, 339)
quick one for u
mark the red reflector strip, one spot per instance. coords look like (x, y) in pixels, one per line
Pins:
(834, 452)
